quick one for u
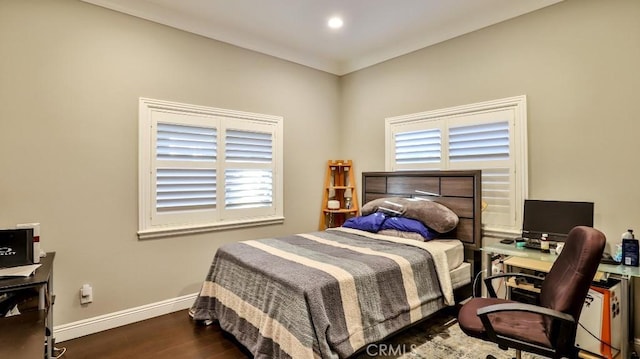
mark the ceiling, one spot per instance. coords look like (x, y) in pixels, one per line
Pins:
(295, 30)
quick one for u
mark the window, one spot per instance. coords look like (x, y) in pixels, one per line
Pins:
(490, 136)
(204, 169)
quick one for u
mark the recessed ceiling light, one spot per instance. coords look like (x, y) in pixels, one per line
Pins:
(335, 22)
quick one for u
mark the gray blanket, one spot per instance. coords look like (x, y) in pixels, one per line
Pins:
(323, 294)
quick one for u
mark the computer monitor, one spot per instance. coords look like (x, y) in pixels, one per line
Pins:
(556, 218)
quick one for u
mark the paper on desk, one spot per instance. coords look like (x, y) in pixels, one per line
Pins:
(19, 271)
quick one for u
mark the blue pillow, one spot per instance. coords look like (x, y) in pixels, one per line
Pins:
(409, 225)
(369, 223)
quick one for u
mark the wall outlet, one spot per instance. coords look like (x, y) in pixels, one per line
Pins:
(495, 269)
(86, 294)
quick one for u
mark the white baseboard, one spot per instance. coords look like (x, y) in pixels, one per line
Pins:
(113, 320)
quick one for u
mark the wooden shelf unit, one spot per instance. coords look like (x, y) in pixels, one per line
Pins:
(529, 265)
(339, 185)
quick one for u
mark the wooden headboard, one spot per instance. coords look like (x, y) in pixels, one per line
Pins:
(458, 190)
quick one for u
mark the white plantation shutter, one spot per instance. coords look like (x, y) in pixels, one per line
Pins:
(418, 147)
(185, 170)
(191, 143)
(249, 153)
(498, 193)
(415, 145)
(487, 145)
(480, 142)
(252, 186)
(179, 189)
(246, 146)
(248, 189)
(488, 136)
(204, 168)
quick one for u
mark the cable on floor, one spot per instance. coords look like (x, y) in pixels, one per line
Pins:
(59, 352)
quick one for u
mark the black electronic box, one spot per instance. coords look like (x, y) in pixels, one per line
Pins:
(16, 247)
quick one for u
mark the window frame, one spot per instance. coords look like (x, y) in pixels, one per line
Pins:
(211, 219)
(441, 119)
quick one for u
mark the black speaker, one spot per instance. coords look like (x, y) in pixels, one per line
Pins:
(16, 247)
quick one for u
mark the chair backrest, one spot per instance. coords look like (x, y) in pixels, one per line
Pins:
(566, 285)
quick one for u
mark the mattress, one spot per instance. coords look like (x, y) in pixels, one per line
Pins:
(461, 275)
(454, 250)
(460, 270)
(298, 295)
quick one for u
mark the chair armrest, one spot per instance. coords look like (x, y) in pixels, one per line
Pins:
(523, 307)
(489, 279)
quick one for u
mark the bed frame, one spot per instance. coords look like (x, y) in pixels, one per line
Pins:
(458, 190)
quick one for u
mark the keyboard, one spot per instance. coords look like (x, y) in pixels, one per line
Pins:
(536, 245)
(532, 245)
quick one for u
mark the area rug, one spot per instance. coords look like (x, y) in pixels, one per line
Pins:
(437, 338)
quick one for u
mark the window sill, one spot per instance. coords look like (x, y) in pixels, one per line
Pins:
(184, 230)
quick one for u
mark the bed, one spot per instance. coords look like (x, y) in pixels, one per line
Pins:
(330, 293)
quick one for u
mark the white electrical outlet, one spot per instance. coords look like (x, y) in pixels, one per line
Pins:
(86, 294)
(495, 269)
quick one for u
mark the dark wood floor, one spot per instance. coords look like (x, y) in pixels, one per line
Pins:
(172, 336)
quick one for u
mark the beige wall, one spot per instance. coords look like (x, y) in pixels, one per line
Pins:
(71, 74)
(578, 62)
(70, 78)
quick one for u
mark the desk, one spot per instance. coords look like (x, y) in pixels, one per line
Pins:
(624, 273)
(42, 279)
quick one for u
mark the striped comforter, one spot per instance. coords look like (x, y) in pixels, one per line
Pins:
(323, 294)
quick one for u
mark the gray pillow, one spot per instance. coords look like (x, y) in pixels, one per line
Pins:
(434, 215)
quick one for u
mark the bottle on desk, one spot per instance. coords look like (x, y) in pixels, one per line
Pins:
(544, 243)
(630, 249)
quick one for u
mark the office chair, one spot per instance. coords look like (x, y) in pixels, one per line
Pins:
(550, 328)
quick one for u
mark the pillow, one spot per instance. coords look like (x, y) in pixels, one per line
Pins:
(369, 223)
(434, 215)
(408, 225)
